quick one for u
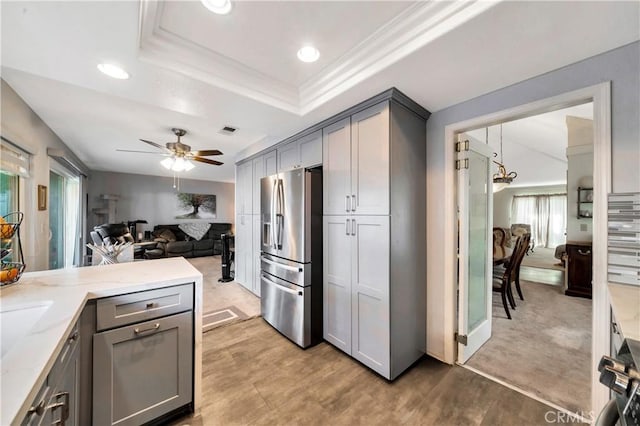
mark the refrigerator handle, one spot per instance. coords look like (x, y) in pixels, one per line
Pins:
(280, 214)
(273, 214)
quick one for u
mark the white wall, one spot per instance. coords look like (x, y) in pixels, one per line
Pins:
(620, 66)
(153, 198)
(502, 201)
(22, 127)
(579, 174)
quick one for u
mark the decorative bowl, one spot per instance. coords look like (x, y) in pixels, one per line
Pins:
(11, 272)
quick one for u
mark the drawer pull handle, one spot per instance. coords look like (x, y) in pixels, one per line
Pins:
(584, 253)
(151, 305)
(154, 328)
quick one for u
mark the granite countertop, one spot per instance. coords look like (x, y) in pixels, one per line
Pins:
(625, 302)
(25, 365)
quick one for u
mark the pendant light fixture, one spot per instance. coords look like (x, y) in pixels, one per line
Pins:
(502, 179)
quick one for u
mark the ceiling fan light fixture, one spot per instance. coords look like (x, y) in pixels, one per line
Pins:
(308, 53)
(220, 7)
(167, 163)
(113, 71)
(188, 165)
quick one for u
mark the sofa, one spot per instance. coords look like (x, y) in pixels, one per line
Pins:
(112, 233)
(176, 243)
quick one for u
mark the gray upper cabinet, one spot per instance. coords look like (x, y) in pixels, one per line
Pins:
(270, 164)
(356, 163)
(336, 173)
(370, 161)
(303, 152)
(244, 189)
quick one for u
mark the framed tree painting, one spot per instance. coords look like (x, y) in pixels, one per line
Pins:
(196, 206)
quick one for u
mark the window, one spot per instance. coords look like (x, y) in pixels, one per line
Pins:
(547, 215)
(9, 192)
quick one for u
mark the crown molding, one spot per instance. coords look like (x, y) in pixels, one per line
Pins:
(412, 29)
(415, 27)
(168, 50)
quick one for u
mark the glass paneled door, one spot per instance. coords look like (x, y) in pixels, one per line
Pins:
(64, 224)
(475, 254)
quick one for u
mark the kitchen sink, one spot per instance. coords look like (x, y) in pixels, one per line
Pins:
(16, 321)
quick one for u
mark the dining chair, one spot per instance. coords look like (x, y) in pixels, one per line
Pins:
(526, 238)
(502, 284)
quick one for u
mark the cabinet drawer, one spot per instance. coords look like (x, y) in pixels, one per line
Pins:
(142, 306)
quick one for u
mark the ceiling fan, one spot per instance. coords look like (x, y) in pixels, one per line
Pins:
(178, 153)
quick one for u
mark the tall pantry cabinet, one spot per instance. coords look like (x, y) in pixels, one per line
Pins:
(374, 225)
(247, 232)
(373, 157)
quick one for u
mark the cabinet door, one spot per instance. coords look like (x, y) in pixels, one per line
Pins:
(370, 292)
(244, 192)
(258, 170)
(336, 280)
(255, 250)
(270, 163)
(142, 371)
(310, 150)
(288, 156)
(370, 161)
(243, 255)
(336, 178)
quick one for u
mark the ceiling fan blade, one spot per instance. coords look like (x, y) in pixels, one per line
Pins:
(143, 152)
(155, 144)
(207, 161)
(206, 152)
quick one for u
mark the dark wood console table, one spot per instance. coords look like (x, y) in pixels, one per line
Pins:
(579, 269)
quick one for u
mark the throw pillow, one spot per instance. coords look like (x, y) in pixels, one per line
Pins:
(167, 234)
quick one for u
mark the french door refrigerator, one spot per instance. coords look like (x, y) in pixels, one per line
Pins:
(291, 254)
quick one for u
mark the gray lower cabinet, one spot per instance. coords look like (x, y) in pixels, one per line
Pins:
(143, 355)
(57, 401)
(142, 371)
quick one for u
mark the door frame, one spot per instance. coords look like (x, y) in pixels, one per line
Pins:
(600, 95)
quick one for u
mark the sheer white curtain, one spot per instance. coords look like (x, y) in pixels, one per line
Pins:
(547, 215)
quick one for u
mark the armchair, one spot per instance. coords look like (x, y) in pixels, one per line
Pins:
(521, 229)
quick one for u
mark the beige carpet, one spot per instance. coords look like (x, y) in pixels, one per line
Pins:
(220, 296)
(542, 257)
(545, 349)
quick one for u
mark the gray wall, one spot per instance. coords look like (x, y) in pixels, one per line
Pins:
(153, 198)
(22, 126)
(620, 66)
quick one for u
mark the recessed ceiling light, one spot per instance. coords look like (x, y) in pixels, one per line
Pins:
(221, 7)
(113, 71)
(308, 54)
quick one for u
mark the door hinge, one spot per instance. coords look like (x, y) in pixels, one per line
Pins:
(462, 146)
(462, 164)
(461, 338)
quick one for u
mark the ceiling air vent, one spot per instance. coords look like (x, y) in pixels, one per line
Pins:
(227, 130)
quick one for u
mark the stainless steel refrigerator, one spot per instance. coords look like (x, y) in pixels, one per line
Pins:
(291, 254)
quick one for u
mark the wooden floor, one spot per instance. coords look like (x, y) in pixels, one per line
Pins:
(253, 375)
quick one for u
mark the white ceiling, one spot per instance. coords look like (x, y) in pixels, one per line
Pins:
(535, 147)
(200, 71)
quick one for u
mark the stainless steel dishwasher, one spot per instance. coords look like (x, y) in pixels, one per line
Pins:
(143, 355)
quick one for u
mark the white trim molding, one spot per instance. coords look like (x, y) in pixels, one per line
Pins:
(600, 95)
(409, 31)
